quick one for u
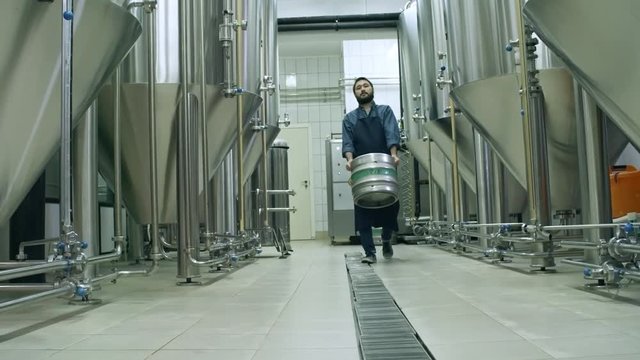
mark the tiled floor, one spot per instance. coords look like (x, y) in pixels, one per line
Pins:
(299, 308)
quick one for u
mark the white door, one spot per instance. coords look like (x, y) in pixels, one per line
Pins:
(299, 156)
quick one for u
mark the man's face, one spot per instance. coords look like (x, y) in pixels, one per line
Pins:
(363, 92)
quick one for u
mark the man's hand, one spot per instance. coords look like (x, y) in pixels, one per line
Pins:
(396, 160)
(348, 166)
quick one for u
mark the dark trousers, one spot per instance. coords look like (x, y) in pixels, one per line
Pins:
(366, 239)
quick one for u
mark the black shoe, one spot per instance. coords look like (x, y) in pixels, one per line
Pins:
(387, 250)
(371, 259)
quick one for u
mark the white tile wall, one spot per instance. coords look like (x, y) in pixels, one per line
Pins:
(296, 8)
(323, 115)
(375, 59)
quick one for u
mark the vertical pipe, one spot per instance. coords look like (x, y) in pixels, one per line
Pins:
(484, 184)
(455, 177)
(208, 226)
(593, 167)
(449, 190)
(186, 140)
(66, 226)
(117, 159)
(431, 184)
(239, 117)
(535, 138)
(153, 147)
(85, 177)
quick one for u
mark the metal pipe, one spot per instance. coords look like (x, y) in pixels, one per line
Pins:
(632, 275)
(580, 263)
(66, 226)
(150, 29)
(580, 227)
(432, 189)
(289, 209)
(212, 262)
(239, 117)
(21, 255)
(338, 18)
(593, 169)
(478, 235)
(226, 39)
(19, 264)
(629, 248)
(118, 236)
(187, 156)
(35, 269)
(26, 287)
(289, 192)
(208, 223)
(337, 26)
(579, 245)
(526, 121)
(484, 183)
(85, 178)
(457, 216)
(471, 226)
(65, 289)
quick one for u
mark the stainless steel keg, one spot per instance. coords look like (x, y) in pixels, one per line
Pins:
(374, 181)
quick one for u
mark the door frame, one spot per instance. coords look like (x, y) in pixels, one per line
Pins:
(312, 204)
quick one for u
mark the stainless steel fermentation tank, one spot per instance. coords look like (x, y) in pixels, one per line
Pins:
(221, 111)
(30, 96)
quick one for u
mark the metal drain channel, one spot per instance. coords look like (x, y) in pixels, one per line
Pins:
(382, 329)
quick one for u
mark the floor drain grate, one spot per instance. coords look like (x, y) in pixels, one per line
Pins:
(384, 333)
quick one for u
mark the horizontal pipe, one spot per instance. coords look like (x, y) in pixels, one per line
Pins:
(629, 248)
(336, 26)
(579, 227)
(212, 262)
(580, 263)
(281, 192)
(19, 264)
(24, 244)
(478, 235)
(579, 245)
(65, 289)
(339, 18)
(491, 225)
(34, 270)
(632, 275)
(26, 287)
(291, 209)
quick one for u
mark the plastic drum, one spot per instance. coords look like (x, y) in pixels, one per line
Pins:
(374, 181)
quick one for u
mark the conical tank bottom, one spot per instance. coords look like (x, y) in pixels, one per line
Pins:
(253, 149)
(594, 38)
(136, 179)
(30, 87)
(440, 131)
(493, 106)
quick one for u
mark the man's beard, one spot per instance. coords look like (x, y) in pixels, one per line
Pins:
(365, 100)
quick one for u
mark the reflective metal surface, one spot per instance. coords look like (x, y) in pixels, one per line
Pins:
(478, 33)
(30, 73)
(440, 132)
(374, 181)
(493, 105)
(135, 137)
(586, 34)
(433, 54)
(279, 180)
(222, 127)
(408, 45)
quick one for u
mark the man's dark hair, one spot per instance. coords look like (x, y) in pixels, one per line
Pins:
(358, 79)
